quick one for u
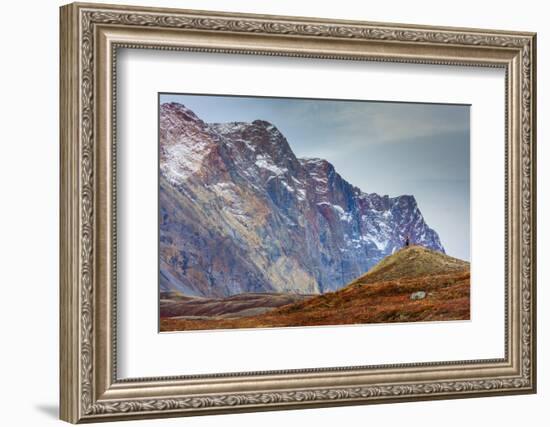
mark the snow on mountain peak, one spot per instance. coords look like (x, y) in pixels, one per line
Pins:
(181, 110)
(267, 221)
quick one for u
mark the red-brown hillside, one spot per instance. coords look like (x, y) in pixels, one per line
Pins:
(384, 294)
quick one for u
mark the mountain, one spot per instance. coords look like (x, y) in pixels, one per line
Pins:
(240, 213)
(414, 284)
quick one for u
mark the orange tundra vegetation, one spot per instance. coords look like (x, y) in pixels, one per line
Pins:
(414, 284)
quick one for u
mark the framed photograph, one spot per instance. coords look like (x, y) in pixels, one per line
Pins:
(266, 212)
(260, 230)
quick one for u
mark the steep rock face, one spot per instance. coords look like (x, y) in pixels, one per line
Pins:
(240, 213)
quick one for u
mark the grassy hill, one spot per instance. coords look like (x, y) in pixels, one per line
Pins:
(384, 294)
(413, 261)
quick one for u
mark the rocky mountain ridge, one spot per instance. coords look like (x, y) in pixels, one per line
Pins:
(239, 212)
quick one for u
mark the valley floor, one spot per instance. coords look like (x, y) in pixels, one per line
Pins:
(442, 297)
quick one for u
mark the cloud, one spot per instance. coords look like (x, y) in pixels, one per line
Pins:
(380, 122)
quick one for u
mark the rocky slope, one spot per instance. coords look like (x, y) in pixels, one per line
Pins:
(180, 306)
(239, 213)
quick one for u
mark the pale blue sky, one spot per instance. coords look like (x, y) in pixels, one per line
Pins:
(381, 147)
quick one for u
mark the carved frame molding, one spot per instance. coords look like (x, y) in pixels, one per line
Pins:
(90, 37)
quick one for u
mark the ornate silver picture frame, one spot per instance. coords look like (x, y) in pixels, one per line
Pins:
(91, 36)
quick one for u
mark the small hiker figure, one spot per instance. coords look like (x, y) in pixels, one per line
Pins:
(407, 241)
